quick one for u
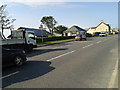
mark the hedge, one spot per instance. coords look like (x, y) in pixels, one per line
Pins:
(54, 38)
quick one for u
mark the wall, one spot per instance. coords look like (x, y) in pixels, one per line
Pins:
(91, 31)
(102, 28)
(69, 34)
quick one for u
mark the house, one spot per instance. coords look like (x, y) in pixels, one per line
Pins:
(115, 30)
(38, 32)
(102, 27)
(73, 31)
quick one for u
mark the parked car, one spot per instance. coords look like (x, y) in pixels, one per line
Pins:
(80, 37)
(103, 34)
(95, 35)
(13, 56)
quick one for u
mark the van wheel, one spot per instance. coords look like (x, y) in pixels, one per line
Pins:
(18, 60)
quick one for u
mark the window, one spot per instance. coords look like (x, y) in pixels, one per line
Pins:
(31, 35)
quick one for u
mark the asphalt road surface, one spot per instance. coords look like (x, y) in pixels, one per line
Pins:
(76, 64)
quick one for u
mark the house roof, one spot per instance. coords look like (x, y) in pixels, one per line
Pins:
(75, 29)
(27, 28)
(80, 29)
(93, 27)
(38, 32)
(103, 23)
(99, 25)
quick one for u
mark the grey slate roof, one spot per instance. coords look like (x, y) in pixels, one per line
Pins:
(75, 29)
(38, 32)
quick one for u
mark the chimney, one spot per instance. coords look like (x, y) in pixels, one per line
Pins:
(102, 21)
(41, 27)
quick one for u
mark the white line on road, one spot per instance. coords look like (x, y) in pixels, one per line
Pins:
(98, 41)
(67, 45)
(61, 46)
(9, 75)
(61, 55)
(88, 46)
(113, 77)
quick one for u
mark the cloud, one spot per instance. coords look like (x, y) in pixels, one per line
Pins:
(72, 5)
(42, 3)
(50, 3)
(46, 2)
(32, 3)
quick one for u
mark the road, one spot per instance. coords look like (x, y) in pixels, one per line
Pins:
(76, 64)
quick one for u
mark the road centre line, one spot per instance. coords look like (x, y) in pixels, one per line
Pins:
(60, 55)
(67, 45)
(88, 46)
(98, 41)
(9, 75)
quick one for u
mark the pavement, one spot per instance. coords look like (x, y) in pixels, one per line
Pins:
(76, 64)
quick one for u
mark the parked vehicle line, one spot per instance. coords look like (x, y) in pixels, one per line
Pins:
(98, 42)
(10, 75)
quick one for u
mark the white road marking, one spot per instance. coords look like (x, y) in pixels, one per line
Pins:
(57, 47)
(114, 76)
(61, 55)
(88, 46)
(61, 46)
(106, 39)
(67, 45)
(9, 75)
(98, 41)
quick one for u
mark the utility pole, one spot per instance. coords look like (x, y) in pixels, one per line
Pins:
(41, 28)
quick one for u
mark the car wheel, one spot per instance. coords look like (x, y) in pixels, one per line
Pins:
(18, 60)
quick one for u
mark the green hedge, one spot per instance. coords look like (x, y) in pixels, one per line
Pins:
(88, 35)
(54, 38)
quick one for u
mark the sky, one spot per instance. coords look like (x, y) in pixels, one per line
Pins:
(83, 14)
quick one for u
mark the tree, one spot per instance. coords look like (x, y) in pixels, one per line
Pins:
(60, 29)
(49, 22)
(5, 21)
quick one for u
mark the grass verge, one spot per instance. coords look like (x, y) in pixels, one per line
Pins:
(52, 42)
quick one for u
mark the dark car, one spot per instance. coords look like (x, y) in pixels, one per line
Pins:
(13, 56)
(80, 37)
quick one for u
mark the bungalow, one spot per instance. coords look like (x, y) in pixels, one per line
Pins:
(73, 31)
(38, 32)
(102, 27)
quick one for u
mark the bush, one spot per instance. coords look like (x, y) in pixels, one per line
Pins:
(97, 33)
(54, 38)
(88, 35)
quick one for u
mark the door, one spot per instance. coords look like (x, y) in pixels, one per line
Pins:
(30, 38)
